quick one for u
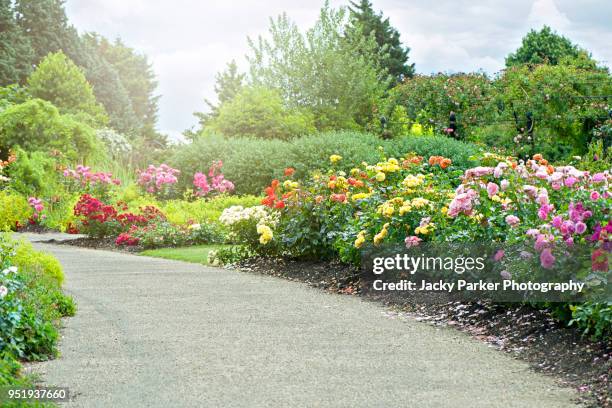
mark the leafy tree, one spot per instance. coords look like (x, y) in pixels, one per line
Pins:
(259, 112)
(46, 25)
(544, 46)
(58, 80)
(567, 102)
(16, 53)
(37, 125)
(339, 81)
(227, 85)
(135, 72)
(393, 55)
(428, 100)
(108, 88)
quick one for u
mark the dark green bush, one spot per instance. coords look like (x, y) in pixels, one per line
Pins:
(251, 163)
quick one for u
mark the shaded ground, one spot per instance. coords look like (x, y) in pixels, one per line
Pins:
(152, 332)
(525, 333)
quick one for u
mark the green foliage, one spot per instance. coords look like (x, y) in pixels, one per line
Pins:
(337, 80)
(259, 112)
(14, 209)
(46, 25)
(58, 80)
(37, 125)
(251, 164)
(554, 95)
(16, 51)
(227, 85)
(34, 174)
(428, 101)
(136, 75)
(201, 211)
(37, 262)
(542, 47)
(594, 319)
(393, 55)
(34, 303)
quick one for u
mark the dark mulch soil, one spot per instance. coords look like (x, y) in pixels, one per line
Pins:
(107, 244)
(526, 333)
(35, 229)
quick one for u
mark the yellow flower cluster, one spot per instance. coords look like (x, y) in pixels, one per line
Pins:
(265, 234)
(388, 207)
(334, 158)
(360, 196)
(378, 238)
(340, 182)
(290, 185)
(360, 239)
(413, 181)
(424, 229)
(419, 202)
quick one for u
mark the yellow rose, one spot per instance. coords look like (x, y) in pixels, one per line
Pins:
(334, 158)
(380, 176)
(360, 239)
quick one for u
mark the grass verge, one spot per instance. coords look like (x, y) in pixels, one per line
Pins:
(193, 254)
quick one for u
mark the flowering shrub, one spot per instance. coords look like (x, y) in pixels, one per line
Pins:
(161, 233)
(83, 180)
(37, 207)
(100, 220)
(251, 226)
(412, 201)
(158, 180)
(217, 183)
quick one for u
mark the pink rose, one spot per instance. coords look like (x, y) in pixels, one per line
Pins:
(547, 260)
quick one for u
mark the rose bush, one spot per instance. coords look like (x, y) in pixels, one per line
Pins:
(411, 200)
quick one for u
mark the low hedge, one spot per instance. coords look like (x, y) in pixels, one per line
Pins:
(252, 163)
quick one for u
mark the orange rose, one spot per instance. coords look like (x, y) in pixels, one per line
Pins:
(444, 163)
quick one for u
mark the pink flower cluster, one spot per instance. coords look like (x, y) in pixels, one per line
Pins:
(156, 179)
(38, 207)
(463, 202)
(218, 182)
(85, 176)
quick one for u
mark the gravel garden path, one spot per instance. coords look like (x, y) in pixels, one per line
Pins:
(157, 333)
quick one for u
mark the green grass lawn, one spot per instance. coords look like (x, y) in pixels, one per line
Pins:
(194, 254)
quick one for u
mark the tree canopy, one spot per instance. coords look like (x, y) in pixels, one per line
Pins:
(58, 80)
(544, 47)
(393, 55)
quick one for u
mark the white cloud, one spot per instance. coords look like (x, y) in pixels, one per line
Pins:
(188, 41)
(545, 12)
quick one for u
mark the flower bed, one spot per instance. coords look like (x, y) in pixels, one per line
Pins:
(412, 201)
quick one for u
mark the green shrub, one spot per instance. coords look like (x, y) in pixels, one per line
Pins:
(34, 174)
(14, 209)
(58, 80)
(204, 211)
(37, 125)
(27, 258)
(32, 305)
(251, 164)
(259, 112)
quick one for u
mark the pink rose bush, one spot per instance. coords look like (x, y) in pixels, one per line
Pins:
(216, 181)
(158, 180)
(82, 179)
(37, 207)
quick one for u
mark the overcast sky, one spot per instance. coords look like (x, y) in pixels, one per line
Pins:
(188, 41)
